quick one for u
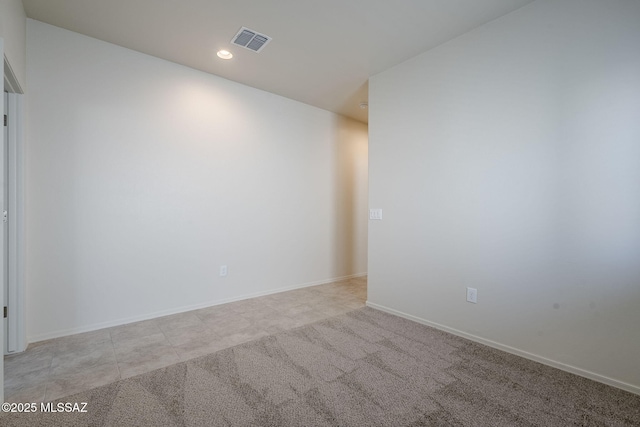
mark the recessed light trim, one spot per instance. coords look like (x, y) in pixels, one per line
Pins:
(224, 54)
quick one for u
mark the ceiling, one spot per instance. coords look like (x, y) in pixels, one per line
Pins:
(322, 52)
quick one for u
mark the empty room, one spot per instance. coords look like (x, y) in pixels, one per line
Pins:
(321, 213)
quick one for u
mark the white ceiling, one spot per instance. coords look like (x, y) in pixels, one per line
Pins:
(322, 52)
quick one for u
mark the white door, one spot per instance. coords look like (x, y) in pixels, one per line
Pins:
(4, 138)
(12, 334)
(4, 208)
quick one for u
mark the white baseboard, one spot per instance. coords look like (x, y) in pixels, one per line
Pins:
(536, 358)
(154, 315)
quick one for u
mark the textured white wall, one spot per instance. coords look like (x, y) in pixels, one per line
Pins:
(13, 30)
(509, 160)
(143, 177)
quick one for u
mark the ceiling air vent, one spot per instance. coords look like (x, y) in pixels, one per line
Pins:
(250, 39)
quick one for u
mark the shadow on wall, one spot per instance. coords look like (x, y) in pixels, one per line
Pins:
(351, 197)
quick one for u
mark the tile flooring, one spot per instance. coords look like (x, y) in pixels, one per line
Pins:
(52, 369)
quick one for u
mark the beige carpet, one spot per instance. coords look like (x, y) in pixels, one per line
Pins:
(364, 368)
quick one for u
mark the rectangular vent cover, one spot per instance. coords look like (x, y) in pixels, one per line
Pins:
(250, 39)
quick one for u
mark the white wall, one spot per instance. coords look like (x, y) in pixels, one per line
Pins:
(13, 31)
(143, 177)
(509, 160)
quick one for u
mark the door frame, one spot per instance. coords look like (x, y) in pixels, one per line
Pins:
(17, 339)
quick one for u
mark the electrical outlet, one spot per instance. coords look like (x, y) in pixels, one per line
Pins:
(472, 295)
(223, 270)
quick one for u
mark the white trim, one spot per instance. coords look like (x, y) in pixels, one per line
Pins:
(545, 361)
(154, 315)
(11, 84)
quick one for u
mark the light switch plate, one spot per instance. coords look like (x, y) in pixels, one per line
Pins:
(375, 214)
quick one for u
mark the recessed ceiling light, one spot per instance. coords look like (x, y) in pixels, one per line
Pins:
(364, 105)
(224, 54)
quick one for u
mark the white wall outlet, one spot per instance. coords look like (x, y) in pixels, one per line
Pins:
(223, 270)
(472, 295)
(375, 214)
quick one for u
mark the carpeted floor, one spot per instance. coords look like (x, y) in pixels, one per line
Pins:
(363, 368)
